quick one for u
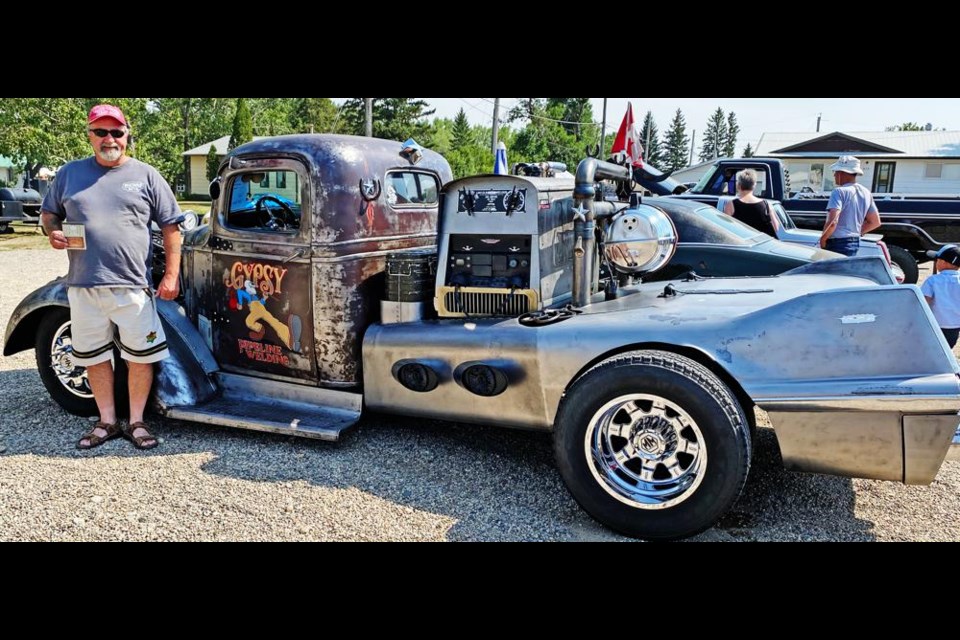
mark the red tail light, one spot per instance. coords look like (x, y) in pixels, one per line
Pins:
(886, 252)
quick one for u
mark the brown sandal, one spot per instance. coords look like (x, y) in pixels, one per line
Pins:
(91, 439)
(148, 441)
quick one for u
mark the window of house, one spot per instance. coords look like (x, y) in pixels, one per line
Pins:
(411, 188)
(933, 170)
(281, 179)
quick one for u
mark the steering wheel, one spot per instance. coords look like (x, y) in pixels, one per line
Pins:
(268, 217)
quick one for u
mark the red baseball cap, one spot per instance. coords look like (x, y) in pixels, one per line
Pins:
(106, 111)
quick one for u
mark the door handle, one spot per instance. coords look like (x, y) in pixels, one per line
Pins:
(296, 254)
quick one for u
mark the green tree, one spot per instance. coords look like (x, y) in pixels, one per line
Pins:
(748, 151)
(906, 126)
(213, 163)
(576, 116)
(393, 118)
(677, 142)
(271, 116)
(313, 115)
(730, 141)
(653, 153)
(242, 125)
(174, 125)
(462, 133)
(37, 132)
(556, 130)
(714, 137)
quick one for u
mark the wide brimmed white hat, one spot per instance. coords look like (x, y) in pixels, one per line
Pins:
(847, 164)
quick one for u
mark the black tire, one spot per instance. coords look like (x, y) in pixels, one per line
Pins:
(53, 350)
(695, 406)
(905, 260)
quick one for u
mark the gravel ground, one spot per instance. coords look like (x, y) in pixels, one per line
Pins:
(391, 479)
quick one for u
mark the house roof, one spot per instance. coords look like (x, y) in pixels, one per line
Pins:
(220, 143)
(913, 144)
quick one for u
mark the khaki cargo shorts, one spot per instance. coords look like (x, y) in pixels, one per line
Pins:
(101, 316)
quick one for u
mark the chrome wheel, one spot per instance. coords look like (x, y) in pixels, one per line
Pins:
(73, 378)
(645, 451)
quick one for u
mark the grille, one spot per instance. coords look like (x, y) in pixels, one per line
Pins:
(473, 301)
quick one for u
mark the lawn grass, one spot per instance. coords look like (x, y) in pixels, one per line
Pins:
(202, 208)
(24, 236)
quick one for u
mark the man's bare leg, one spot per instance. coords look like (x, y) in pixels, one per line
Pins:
(100, 377)
(101, 383)
(139, 379)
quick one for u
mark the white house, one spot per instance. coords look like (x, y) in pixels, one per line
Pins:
(197, 181)
(919, 162)
(926, 162)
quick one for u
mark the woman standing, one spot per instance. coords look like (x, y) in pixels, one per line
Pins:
(748, 208)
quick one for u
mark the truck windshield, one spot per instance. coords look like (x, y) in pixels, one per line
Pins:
(705, 181)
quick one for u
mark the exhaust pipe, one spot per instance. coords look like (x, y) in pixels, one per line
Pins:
(586, 210)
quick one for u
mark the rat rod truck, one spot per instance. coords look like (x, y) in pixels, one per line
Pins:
(342, 274)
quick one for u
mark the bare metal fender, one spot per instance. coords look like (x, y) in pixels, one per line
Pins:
(183, 379)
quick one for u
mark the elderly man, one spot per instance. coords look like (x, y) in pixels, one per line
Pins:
(100, 208)
(851, 210)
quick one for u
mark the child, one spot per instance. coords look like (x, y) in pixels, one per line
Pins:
(942, 291)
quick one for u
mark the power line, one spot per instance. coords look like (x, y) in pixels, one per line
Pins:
(534, 116)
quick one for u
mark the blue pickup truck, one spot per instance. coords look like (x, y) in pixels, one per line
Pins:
(911, 225)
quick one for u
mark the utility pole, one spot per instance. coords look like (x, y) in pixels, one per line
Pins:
(603, 130)
(693, 143)
(369, 118)
(496, 125)
(818, 122)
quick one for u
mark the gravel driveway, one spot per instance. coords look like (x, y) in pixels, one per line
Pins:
(390, 479)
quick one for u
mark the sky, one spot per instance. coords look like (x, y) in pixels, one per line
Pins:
(754, 115)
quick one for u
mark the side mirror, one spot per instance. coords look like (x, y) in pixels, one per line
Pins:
(215, 189)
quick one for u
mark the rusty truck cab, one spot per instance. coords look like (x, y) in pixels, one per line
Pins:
(290, 271)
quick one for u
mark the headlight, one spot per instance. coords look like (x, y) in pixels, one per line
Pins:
(190, 221)
(640, 240)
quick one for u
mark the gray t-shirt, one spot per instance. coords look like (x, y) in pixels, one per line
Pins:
(115, 206)
(854, 201)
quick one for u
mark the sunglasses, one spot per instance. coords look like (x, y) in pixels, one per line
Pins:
(102, 133)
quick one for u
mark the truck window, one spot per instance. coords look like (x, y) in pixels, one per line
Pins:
(255, 205)
(411, 189)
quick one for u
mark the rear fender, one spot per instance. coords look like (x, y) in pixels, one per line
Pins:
(874, 268)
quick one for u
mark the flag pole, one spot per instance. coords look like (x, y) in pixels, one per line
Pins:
(603, 129)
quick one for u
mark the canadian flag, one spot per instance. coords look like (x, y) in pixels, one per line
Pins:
(627, 142)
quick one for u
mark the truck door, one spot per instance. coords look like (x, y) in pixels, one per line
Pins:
(263, 325)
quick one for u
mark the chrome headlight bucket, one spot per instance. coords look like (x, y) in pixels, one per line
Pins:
(640, 240)
(190, 220)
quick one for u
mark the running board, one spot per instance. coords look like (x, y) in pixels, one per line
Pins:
(276, 407)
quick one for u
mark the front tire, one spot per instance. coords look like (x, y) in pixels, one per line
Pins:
(907, 263)
(66, 383)
(653, 445)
